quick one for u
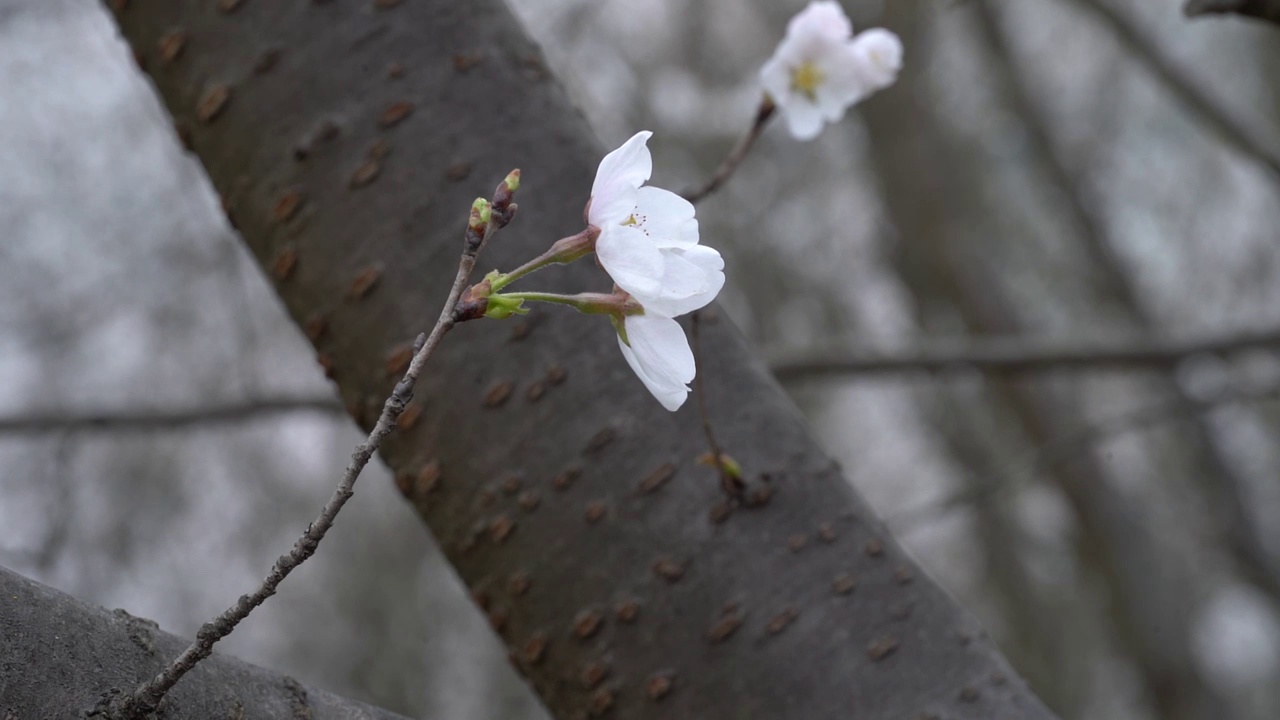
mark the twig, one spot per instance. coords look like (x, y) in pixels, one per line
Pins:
(1016, 356)
(1268, 10)
(736, 155)
(151, 420)
(731, 484)
(147, 697)
(1228, 129)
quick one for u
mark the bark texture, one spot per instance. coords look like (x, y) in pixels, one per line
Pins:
(347, 139)
(59, 657)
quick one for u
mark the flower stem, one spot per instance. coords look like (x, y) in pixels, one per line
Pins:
(564, 250)
(739, 153)
(590, 303)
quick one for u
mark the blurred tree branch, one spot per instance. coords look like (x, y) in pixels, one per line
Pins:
(935, 213)
(1063, 448)
(1268, 10)
(1230, 131)
(1014, 355)
(147, 420)
(1219, 482)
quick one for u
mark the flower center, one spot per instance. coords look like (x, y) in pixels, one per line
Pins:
(806, 78)
(637, 221)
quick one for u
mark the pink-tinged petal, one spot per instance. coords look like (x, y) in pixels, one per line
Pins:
(633, 262)
(665, 217)
(879, 57)
(628, 167)
(660, 356)
(823, 18)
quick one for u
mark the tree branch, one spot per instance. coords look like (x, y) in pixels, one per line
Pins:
(1070, 445)
(155, 420)
(146, 699)
(1230, 131)
(1268, 10)
(1016, 355)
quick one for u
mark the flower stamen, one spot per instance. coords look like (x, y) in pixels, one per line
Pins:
(806, 78)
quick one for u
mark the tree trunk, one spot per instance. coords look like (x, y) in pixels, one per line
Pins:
(60, 657)
(347, 140)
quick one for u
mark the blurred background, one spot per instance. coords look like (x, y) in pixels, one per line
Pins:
(1044, 169)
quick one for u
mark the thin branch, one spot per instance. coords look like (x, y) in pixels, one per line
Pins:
(1069, 445)
(736, 155)
(1268, 10)
(1166, 71)
(147, 697)
(1016, 355)
(729, 482)
(152, 420)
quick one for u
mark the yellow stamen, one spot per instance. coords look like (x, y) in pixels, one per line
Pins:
(806, 78)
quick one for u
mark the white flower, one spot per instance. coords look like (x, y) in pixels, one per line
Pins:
(818, 70)
(659, 354)
(648, 244)
(649, 236)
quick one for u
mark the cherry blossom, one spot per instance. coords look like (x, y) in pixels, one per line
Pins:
(820, 69)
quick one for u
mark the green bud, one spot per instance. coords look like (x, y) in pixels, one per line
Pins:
(502, 307)
(481, 211)
(512, 180)
(726, 464)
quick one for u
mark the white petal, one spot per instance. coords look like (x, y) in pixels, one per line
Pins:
(666, 218)
(879, 54)
(612, 207)
(670, 397)
(775, 77)
(630, 258)
(706, 268)
(660, 355)
(804, 119)
(845, 81)
(824, 18)
(627, 167)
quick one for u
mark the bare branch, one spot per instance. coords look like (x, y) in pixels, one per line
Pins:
(147, 697)
(153, 420)
(1268, 10)
(1016, 355)
(1230, 131)
(736, 155)
(1070, 445)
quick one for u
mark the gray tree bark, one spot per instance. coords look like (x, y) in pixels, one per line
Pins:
(59, 657)
(347, 140)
